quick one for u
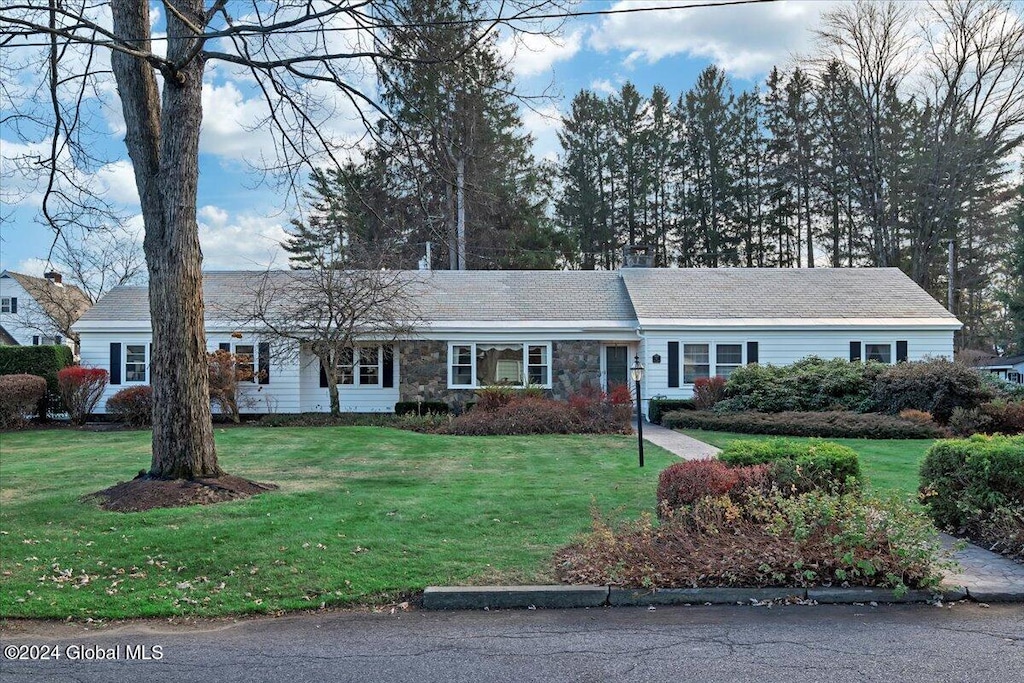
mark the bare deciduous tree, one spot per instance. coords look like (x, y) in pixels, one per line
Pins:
(299, 55)
(327, 313)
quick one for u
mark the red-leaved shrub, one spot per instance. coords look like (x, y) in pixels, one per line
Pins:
(707, 391)
(132, 406)
(620, 395)
(81, 389)
(19, 395)
(1007, 417)
(525, 415)
(685, 482)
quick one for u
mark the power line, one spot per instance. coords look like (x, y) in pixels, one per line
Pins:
(257, 30)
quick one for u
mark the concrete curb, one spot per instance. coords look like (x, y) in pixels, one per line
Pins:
(561, 596)
(506, 597)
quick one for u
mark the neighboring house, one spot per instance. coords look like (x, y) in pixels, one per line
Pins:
(1010, 368)
(561, 330)
(38, 310)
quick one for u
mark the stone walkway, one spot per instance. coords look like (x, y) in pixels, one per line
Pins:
(684, 446)
(986, 576)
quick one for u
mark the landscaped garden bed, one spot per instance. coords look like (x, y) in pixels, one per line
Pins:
(776, 513)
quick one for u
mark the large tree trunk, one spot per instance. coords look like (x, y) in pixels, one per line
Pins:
(163, 143)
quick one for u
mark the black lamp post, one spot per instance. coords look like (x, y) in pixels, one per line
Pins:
(637, 372)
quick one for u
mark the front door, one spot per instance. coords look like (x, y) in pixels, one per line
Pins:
(616, 364)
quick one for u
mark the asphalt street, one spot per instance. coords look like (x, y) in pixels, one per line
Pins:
(964, 642)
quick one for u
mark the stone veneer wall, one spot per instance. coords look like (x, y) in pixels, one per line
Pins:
(423, 371)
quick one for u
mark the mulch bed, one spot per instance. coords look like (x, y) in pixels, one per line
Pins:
(146, 493)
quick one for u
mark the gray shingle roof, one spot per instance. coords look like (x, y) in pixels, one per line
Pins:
(675, 294)
(778, 293)
(441, 296)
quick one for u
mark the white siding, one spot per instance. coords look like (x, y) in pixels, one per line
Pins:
(782, 347)
(352, 397)
(28, 310)
(281, 395)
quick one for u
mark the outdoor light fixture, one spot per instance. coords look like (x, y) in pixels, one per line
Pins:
(637, 372)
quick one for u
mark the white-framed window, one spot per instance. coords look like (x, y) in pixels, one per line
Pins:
(5, 305)
(347, 366)
(369, 361)
(696, 362)
(881, 353)
(728, 357)
(362, 366)
(516, 364)
(245, 361)
(135, 363)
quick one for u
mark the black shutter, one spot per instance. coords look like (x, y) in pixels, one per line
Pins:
(115, 363)
(751, 352)
(14, 304)
(264, 362)
(323, 374)
(388, 372)
(854, 352)
(57, 340)
(224, 346)
(35, 340)
(673, 364)
(901, 351)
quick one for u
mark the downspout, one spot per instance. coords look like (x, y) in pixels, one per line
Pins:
(640, 351)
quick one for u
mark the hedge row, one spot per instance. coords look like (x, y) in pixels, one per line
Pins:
(798, 466)
(975, 487)
(829, 424)
(658, 407)
(41, 361)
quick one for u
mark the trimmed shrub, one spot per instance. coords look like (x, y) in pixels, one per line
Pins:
(133, 406)
(807, 540)
(685, 483)
(810, 384)
(19, 396)
(1007, 417)
(967, 422)
(935, 386)
(328, 420)
(80, 390)
(657, 407)
(831, 424)
(422, 408)
(964, 481)
(798, 466)
(919, 416)
(41, 361)
(707, 391)
(526, 415)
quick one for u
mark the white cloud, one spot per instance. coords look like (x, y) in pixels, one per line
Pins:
(229, 120)
(543, 124)
(117, 182)
(603, 86)
(745, 41)
(241, 241)
(535, 53)
(32, 266)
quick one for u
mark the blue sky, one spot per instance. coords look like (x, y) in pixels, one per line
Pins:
(241, 223)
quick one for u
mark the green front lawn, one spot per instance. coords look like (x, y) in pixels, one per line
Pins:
(887, 464)
(364, 514)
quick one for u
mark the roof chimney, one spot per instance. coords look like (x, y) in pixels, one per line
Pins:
(54, 277)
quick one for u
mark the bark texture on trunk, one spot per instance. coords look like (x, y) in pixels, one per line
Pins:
(163, 143)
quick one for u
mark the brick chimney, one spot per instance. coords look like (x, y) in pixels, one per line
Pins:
(54, 277)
